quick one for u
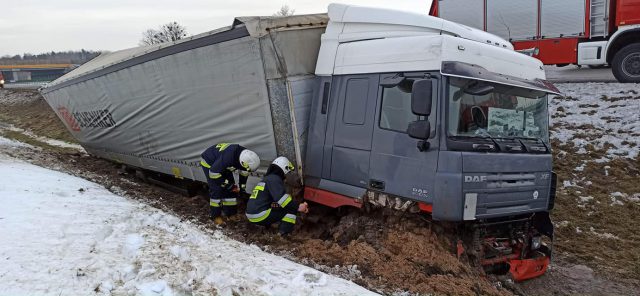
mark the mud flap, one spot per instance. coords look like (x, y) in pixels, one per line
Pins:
(542, 222)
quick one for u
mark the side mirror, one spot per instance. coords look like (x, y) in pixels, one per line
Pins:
(421, 97)
(419, 129)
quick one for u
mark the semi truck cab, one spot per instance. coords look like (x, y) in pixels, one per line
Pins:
(411, 110)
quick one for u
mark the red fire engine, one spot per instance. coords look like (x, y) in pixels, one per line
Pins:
(582, 32)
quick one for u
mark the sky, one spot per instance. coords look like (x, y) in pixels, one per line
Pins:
(36, 26)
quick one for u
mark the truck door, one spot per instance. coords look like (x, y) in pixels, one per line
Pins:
(352, 129)
(398, 167)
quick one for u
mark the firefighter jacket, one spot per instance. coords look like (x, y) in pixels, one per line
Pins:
(222, 160)
(269, 193)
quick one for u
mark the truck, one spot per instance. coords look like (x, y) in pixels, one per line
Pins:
(593, 33)
(376, 107)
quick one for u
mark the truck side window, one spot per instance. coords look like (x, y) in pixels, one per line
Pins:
(396, 109)
(355, 102)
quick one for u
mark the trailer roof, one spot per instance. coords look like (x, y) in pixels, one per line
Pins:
(254, 26)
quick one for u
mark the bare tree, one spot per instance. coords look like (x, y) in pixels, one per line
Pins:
(166, 33)
(285, 10)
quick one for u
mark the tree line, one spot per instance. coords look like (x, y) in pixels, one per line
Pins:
(63, 57)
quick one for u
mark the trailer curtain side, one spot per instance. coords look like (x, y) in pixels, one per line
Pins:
(159, 107)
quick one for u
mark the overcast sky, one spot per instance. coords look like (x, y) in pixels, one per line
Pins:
(36, 26)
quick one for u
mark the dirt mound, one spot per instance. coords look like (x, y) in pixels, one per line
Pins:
(28, 110)
(389, 254)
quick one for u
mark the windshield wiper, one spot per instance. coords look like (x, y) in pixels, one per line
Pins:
(482, 146)
(534, 148)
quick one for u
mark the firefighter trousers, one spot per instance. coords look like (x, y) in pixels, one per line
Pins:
(221, 200)
(286, 218)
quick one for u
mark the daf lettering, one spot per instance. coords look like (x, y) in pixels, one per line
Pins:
(475, 179)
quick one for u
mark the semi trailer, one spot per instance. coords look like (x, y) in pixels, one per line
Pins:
(377, 107)
(592, 33)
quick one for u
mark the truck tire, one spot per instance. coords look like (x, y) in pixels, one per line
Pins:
(626, 64)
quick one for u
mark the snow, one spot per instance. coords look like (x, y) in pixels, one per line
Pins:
(13, 144)
(52, 142)
(63, 235)
(602, 114)
(585, 199)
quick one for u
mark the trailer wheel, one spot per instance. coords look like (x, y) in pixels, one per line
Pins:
(626, 64)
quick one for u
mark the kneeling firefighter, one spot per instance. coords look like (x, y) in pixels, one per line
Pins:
(270, 203)
(218, 163)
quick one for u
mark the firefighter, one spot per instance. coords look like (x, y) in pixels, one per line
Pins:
(269, 202)
(218, 163)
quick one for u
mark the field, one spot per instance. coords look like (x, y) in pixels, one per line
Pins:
(596, 142)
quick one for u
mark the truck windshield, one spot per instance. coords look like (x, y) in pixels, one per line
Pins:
(484, 109)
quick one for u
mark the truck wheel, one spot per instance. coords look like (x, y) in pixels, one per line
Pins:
(626, 64)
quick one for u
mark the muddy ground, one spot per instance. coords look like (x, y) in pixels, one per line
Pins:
(382, 251)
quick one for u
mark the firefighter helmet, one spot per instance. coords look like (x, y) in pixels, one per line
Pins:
(249, 160)
(284, 163)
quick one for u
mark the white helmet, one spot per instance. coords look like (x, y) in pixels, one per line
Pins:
(284, 164)
(249, 160)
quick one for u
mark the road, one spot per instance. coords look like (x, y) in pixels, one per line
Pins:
(572, 73)
(25, 85)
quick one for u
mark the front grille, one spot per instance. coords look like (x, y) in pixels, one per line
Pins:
(500, 180)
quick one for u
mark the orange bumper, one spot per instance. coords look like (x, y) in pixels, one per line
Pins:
(528, 268)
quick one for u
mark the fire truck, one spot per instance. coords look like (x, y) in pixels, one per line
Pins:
(593, 33)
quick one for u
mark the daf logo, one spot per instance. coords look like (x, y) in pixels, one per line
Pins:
(535, 194)
(475, 179)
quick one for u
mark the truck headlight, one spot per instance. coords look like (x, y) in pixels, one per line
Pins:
(1, 81)
(536, 241)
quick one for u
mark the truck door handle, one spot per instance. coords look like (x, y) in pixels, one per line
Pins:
(376, 184)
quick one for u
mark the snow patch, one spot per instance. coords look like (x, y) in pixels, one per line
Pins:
(604, 115)
(13, 144)
(133, 243)
(62, 241)
(604, 235)
(585, 199)
(49, 141)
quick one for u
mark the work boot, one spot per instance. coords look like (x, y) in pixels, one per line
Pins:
(217, 220)
(233, 218)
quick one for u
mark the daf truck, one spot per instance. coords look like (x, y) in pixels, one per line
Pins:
(377, 107)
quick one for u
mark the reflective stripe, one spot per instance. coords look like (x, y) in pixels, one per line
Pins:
(214, 202)
(259, 187)
(244, 173)
(231, 169)
(259, 216)
(222, 146)
(284, 200)
(204, 163)
(229, 202)
(289, 218)
(213, 175)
